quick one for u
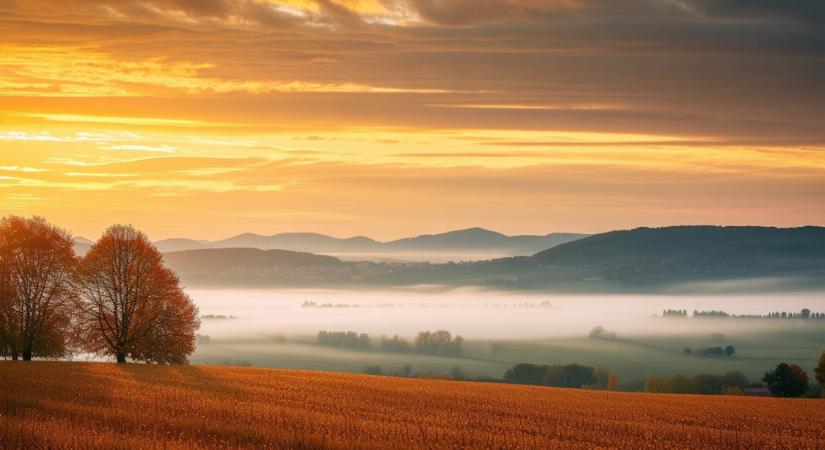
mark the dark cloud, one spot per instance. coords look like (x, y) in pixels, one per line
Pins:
(465, 12)
(446, 12)
(734, 70)
(802, 10)
(252, 12)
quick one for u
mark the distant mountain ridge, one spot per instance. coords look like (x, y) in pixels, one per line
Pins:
(684, 258)
(470, 242)
(485, 240)
(180, 244)
(82, 245)
(307, 242)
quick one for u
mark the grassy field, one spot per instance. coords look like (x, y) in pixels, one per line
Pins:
(631, 357)
(87, 405)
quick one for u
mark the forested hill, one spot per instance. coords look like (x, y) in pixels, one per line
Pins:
(251, 265)
(216, 259)
(692, 253)
(710, 247)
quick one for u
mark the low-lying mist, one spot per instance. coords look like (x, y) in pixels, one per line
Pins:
(476, 313)
(625, 333)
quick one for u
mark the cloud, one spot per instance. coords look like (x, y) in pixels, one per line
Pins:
(464, 12)
(22, 169)
(637, 66)
(121, 120)
(565, 188)
(453, 100)
(75, 137)
(142, 148)
(88, 72)
(284, 14)
(268, 13)
(802, 10)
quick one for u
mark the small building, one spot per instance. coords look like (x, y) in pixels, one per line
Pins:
(757, 392)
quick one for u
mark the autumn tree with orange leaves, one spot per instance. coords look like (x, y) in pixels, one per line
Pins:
(131, 305)
(36, 266)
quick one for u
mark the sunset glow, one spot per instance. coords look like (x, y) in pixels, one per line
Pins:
(399, 117)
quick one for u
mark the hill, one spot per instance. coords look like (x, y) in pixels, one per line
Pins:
(82, 245)
(472, 243)
(305, 242)
(179, 245)
(684, 258)
(460, 244)
(479, 240)
(688, 253)
(92, 405)
(251, 265)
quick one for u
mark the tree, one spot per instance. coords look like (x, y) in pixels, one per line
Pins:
(736, 391)
(8, 324)
(601, 377)
(658, 384)
(612, 382)
(713, 351)
(734, 379)
(730, 351)
(525, 373)
(439, 342)
(786, 380)
(374, 370)
(820, 369)
(572, 375)
(600, 332)
(681, 384)
(457, 373)
(395, 344)
(36, 265)
(131, 306)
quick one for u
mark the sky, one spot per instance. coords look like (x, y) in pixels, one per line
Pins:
(390, 118)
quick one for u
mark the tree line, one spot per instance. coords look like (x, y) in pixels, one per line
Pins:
(572, 376)
(786, 380)
(728, 351)
(707, 384)
(348, 339)
(440, 342)
(119, 300)
(804, 314)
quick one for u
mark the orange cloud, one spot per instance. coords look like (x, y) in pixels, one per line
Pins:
(87, 72)
(409, 115)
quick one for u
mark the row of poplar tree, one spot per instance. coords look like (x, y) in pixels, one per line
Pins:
(118, 300)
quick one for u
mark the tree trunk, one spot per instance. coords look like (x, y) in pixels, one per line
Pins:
(121, 358)
(14, 356)
(27, 356)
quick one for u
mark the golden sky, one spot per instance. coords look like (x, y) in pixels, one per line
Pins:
(388, 118)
